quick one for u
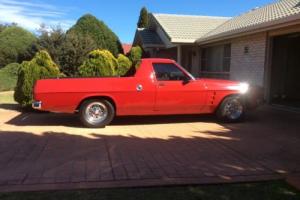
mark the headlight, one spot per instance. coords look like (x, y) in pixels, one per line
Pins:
(242, 87)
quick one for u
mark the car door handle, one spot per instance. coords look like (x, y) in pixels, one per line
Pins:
(161, 84)
(139, 88)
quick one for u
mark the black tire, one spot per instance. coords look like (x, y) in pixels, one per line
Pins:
(227, 114)
(89, 118)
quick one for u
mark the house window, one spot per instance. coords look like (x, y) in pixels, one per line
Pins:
(215, 61)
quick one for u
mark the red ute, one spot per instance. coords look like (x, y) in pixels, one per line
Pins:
(159, 87)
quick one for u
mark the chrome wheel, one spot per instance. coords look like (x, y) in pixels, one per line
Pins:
(233, 109)
(96, 112)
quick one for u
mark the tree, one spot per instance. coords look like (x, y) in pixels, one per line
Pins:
(41, 66)
(8, 76)
(67, 50)
(51, 41)
(2, 27)
(14, 42)
(104, 37)
(143, 19)
(99, 63)
(73, 51)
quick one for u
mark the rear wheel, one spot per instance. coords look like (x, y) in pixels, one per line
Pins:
(232, 109)
(96, 113)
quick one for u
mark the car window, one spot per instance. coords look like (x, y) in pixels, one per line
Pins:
(168, 72)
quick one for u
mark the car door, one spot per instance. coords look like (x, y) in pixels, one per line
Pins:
(177, 92)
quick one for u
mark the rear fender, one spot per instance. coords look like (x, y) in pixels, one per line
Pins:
(106, 97)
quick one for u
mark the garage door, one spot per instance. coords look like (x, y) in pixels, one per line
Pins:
(285, 71)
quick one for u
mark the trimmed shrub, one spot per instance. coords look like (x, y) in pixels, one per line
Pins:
(135, 55)
(99, 63)
(8, 76)
(124, 64)
(41, 66)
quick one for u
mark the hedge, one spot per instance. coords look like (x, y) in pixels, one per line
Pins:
(124, 64)
(135, 55)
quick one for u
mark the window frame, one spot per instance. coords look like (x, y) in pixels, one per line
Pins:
(226, 58)
(185, 73)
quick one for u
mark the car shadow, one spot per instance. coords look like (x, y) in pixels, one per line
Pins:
(29, 117)
(72, 120)
(168, 119)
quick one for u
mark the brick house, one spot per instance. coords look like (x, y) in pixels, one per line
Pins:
(261, 46)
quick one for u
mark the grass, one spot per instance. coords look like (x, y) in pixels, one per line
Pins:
(273, 190)
(7, 97)
(8, 77)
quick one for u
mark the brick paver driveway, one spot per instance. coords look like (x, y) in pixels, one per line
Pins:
(52, 151)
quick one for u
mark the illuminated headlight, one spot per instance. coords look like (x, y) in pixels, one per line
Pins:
(242, 87)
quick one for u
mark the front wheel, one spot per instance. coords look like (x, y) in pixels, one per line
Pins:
(232, 109)
(96, 113)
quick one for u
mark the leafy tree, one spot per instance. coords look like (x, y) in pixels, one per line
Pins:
(41, 66)
(68, 50)
(124, 64)
(51, 41)
(143, 19)
(103, 36)
(2, 27)
(8, 76)
(73, 51)
(99, 63)
(14, 41)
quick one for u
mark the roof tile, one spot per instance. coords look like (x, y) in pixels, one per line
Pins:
(259, 16)
(187, 28)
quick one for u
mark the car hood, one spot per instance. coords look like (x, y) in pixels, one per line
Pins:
(219, 84)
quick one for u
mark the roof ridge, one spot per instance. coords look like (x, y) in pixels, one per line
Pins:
(184, 15)
(259, 7)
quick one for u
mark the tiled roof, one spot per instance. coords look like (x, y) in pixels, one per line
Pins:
(149, 37)
(126, 48)
(257, 18)
(187, 28)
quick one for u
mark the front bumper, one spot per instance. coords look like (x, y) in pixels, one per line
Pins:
(254, 97)
(37, 105)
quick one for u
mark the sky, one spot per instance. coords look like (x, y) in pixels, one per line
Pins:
(120, 15)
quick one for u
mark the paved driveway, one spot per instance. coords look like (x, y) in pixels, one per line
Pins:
(52, 151)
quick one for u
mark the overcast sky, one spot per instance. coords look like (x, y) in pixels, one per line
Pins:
(120, 15)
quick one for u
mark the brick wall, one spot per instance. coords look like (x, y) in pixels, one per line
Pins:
(248, 66)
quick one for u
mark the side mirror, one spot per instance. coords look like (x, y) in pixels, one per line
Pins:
(185, 80)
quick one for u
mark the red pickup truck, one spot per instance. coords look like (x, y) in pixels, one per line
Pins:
(158, 87)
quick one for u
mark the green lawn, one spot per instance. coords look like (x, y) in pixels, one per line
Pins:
(7, 97)
(275, 190)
